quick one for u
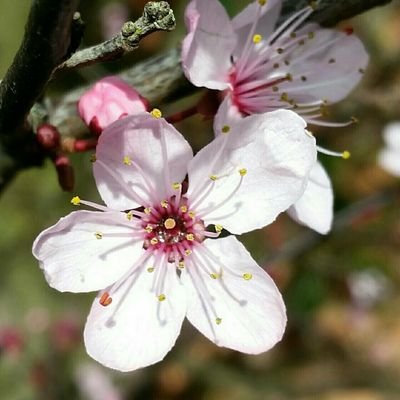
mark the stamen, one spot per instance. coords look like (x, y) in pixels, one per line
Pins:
(127, 160)
(344, 154)
(257, 38)
(156, 113)
(161, 297)
(76, 201)
(208, 210)
(98, 235)
(247, 276)
(169, 223)
(218, 321)
(105, 299)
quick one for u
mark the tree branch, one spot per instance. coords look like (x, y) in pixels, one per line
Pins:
(157, 16)
(45, 45)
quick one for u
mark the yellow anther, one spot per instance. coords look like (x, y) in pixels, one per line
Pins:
(127, 160)
(161, 297)
(98, 235)
(154, 241)
(181, 264)
(213, 177)
(147, 210)
(311, 35)
(257, 38)
(218, 321)
(262, 2)
(190, 237)
(214, 276)
(169, 223)
(289, 77)
(183, 209)
(93, 158)
(76, 201)
(247, 276)
(164, 204)
(156, 113)
(148, 228)
(150, 269)
(293, 35)
(176, 186)
(129, 215)
(188, 252)
(225, 129)
(191, 214)
(218, 228)
(242, 171)
(284, 96)
(346, 155)
(354, 120)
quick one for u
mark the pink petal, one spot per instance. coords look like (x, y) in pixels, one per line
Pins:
(242, 309)
(108, 100)
(332, 71)
(136, 329)
(207, 48)
(74, 260)
(227, 114)
(315, 207)
(243, 22)
(138, 160)
(278, 156)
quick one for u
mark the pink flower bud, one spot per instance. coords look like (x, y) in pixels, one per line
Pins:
(107, 101)
(48, 136)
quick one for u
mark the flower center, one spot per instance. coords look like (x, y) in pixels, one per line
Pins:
(170, 227)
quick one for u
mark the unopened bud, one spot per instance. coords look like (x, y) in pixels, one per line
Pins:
(65, 172)
(48, 137)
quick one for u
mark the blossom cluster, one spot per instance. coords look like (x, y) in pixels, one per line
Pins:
(162, 247)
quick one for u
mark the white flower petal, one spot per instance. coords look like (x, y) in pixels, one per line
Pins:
(227, 114)
(242, 309)
(315, 207)
(207, 48)
(278, 156)
(391, 136)
(138, 159)
(136, 329)
(75, 260)
(332, 64)
(243, 22)
(390, 161)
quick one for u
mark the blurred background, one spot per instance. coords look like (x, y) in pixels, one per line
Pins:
(341, 290)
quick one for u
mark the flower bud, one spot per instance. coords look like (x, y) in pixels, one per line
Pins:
(107, 101)
(48, 137)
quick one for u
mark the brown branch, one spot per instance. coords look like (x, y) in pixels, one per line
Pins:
(45, 45)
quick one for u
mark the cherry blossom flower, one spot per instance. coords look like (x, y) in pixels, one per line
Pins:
(108, 100)
(259, 69)
(296, 66)
(389, 157)
(154, 250)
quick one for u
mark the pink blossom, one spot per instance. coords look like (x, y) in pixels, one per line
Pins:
(108, 100)
(389, 156)
(154, 250)
(296, 66)
(259, 69)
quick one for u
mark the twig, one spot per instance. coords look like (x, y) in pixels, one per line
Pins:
(45, 45)
(157, 16)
